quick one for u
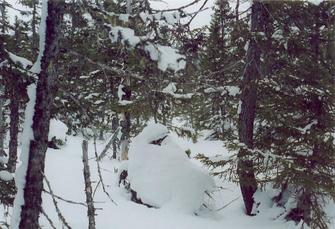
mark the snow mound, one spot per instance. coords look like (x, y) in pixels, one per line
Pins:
(57, 129)
(3, 160)
(163, 176)
(6, 176)
(152, 132)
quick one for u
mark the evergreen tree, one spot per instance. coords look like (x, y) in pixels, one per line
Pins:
(295, 112)
(221, 68)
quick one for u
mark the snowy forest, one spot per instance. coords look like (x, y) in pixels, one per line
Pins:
(121, 114)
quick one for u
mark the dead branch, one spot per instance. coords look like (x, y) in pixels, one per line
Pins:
(104, 152)
(48, 219)
(179, 8)
(65, 200)
(229, 203)
(200, 9)
(60, 215)
(100, 175)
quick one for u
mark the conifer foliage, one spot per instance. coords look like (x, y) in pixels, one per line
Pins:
(260, 78)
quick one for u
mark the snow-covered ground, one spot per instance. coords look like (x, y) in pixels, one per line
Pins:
(64, 170)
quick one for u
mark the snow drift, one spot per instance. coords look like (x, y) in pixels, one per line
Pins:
(57, 129)
(163, 175)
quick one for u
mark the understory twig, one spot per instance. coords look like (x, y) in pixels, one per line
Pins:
(60, 215)
(104, 152)
(65, 200)
(48, 219)
(229, 203)
(101, 181)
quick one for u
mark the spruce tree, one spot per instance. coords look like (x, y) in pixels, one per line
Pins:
(221, 66)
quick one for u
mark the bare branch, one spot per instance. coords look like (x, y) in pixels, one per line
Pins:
(100, 175)
(195, 14)
(60, 215)
(229, 203)
(119, 72)
(179, 8)
(65, 200)
(48, 219)
(104, 152)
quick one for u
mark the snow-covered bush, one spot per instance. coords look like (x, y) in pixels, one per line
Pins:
(7, 184)
(162, 174)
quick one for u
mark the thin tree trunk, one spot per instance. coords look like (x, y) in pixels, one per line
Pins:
(14, 125)
(88, 188)
(2, 100)
(245, 169)
(115, 125)
(237, 9)
(125, 123)
(331, 38)
(2, 121)
(33, 27)
(41, 119)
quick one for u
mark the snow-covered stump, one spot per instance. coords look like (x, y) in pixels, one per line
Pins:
(88, 188)
(161, 174)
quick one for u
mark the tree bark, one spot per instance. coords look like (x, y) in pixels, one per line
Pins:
(245, 169)
(115, 125)
(14, 125)
(41, 120)
(125, 123)
(331, 37)
(2, 121)
(88, 188)
(2, 92)
(34, 41)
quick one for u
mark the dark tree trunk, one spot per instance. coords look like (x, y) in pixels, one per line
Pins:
(245, 167)
(14, 124)
(2, 88)
(44, 98)
(125, 123)
(2, 120)
(115, 125)
(34, 41)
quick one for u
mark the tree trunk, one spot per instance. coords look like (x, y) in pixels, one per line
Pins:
(88, 188)
(331, 38)
(41, 120)
(2, 89)
(125, 123)
(245, 169)
(14, 125)
(2, 121)
(34, 40)
(115, 125)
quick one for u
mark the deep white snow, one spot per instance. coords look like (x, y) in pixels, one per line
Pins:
(57, 129)
(163, 175)
(64, 171)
